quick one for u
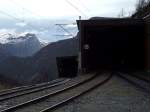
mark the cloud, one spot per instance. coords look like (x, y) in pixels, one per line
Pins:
(6, 31)
(71, 26)
(60, 8)
(21, 24)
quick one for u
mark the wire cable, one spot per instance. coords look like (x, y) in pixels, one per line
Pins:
(23, 8)
(8, 15)
(76, 8)
(29, 11)
(15, 18)
(85, 7)
(65, 29)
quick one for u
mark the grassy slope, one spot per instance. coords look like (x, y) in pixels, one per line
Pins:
(5, 86)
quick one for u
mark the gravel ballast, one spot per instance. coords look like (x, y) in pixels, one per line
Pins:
(21, 99)
(115, 96)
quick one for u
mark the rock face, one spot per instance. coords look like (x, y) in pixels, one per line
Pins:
(21, 46)
(41, 66)
(16, 70)
(3, 54)
(46, 58)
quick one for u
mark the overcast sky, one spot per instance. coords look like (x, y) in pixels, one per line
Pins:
(25, 15)
(64, 8)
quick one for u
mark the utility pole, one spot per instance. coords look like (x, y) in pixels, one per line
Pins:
(79, 17)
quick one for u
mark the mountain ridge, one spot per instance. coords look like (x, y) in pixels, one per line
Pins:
(41, 66)
(20, 46)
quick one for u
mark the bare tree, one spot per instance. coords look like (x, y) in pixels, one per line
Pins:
(141, 4)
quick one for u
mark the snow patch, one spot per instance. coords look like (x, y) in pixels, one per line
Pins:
(11, 36)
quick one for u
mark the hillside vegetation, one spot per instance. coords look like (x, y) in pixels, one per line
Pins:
(41, 67)
(142, 9)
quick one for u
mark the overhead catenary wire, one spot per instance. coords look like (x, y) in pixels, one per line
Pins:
(85, 7)
(28, 11)
(8, 15)
(76, 8)
(22, 20)
(23, 8)
(65, 30)
(15, 18)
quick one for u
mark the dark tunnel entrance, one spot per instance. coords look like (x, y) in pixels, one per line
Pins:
(112, 44)
(67, 66)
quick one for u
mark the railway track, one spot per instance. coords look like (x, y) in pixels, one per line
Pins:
(137, 81)
(24, 88)
(30, 89)
(141, 77)
(11, 101)
(60, 96)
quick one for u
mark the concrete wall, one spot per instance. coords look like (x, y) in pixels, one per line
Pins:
(131, 28)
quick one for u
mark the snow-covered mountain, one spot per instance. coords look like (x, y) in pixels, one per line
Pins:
(22, 45)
